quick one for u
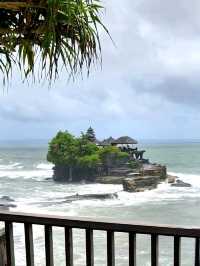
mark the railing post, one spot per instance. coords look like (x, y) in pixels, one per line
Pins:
(132, 249)
(197, 257)
(154, 250)
(9, 244)
(177, 251)
(28, 232)
(110, 248)
(69, 246)
(89, 248)
(49, 245)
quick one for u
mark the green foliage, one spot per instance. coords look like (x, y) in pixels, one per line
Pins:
(85, 146)
(111, 151)
(89, 161)
(51, 34)
(65, 149)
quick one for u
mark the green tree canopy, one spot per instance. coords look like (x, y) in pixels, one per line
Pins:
(51, 34)
(65, 149)
(110, 155)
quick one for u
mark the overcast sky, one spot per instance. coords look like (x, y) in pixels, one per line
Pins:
(148, 88)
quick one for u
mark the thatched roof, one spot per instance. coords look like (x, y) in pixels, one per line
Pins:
(125, 140)
(50, 34)
(107, 142)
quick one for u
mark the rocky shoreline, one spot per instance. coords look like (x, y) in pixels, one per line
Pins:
(148, 177)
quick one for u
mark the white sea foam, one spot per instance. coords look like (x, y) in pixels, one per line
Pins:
(194, 180)
(44, 166)
(11, 166)
(38, 174)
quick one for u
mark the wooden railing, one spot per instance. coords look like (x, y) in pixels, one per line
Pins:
(110, 226)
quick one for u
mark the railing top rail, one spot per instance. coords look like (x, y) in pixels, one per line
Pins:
(98, 224)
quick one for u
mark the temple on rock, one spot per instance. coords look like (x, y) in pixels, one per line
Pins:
(124, 143)
(108, 161)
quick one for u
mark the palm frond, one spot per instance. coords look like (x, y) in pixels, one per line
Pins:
(49, 35)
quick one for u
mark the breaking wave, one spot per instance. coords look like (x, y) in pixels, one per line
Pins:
(11, 166)
(44, 166)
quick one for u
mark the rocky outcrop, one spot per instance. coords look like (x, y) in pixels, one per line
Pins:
(180, 183)
(150, 175)
(140, 183)
(154, 170)
(171, 179)
(6, 203)
(120, 171)
(117, 180)
(63, 173)
(77, 197)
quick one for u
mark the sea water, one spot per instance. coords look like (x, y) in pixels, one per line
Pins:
(24, 174)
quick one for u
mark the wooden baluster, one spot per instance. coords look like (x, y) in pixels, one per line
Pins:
(49, 245)
(28, 232)
(154, 250)
(69, 246)
(9, 244)
(197, 256)
(177, 251)
(89, 248)
(110, 248)
(132, 249)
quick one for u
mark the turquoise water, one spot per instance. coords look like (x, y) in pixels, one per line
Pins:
(23, 173)
(183, 158)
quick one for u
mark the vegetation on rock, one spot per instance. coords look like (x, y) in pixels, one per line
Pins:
(78, 154)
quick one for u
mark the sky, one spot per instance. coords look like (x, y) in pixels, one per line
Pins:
(148, 87)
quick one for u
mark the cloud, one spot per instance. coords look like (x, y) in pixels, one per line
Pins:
(148, 86)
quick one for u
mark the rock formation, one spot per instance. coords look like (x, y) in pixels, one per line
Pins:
(150, 175)
(140, 183)
(180, 183)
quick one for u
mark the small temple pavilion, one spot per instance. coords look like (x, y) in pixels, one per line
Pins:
(126, 144)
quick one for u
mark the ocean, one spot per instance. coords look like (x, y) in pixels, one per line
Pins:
(24, 174)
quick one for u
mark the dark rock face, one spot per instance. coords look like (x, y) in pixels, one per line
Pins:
(147, 176)
(77, 197)
(154, 170)
(180, 183)
(117, 180)
(150, 175)
(140, 183)
(63, 173)
(6, 203)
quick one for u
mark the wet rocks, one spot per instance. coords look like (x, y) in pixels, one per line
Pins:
(6, 203)
(140, 183)
(150, 175)
(77, 197)
(154, 170)
(117, 180)
(180, 183)
(171, 179)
